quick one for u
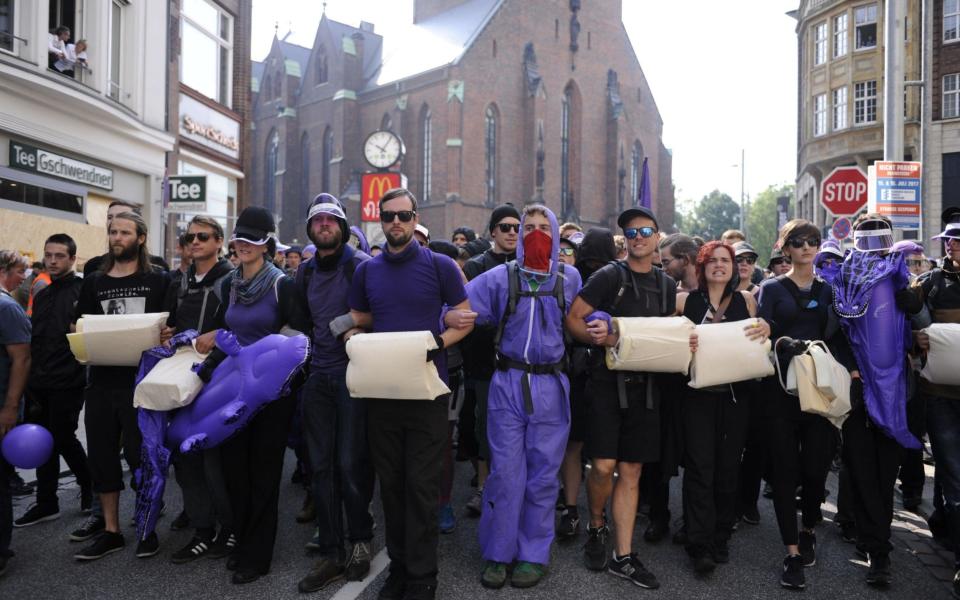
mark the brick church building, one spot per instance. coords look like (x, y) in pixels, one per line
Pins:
(495, 101)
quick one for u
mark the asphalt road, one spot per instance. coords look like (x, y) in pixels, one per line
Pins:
(44, 567)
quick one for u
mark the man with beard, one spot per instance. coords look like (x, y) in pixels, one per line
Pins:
(57, 380)
(678, 253)
(478, 353)
(192, 302)
(406, 289)
(127, 276)
(117, 207)
(334, 424)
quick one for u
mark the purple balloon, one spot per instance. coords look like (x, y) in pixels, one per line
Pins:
(27, 446)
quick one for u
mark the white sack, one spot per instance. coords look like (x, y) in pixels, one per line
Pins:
(115, 340)
(726, 355)
(393, 365)
(651, 344)
(171, 383)
(943, 367)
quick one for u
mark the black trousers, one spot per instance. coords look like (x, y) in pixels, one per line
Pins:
(407, 439)
(252, 468)
(912, 476)
(59, 412)
(714, 427)
(801, 447)
(111, 422)
(756, 460)
(873, 460)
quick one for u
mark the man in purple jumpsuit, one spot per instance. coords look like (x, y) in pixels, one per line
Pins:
(528, 409)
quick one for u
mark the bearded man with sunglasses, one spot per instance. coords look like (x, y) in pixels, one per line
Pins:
(623, 420)
(406, 288)
(192, 303)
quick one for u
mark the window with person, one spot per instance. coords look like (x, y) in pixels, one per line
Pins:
(207, 49)
(865, 20)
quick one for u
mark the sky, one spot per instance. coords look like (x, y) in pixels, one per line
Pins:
(723, 74)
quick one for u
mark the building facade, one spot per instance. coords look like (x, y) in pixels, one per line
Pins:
(840, 92)
(941, 179)
(495, 100)
(209, 100)
(71, 145)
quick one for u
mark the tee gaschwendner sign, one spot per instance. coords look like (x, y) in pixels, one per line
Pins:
(37, 160)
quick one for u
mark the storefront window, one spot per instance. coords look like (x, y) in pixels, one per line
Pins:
(33, 195)
(207, 49)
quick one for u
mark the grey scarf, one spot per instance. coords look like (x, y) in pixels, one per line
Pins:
(248, 291)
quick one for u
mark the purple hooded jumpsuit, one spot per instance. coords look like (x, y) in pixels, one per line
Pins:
(526, 447)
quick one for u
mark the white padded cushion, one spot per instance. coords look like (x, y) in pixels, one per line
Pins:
(394, 366)
(726, 355)
(115, 340)
(651, 344)
(943, 366)
(171, 383)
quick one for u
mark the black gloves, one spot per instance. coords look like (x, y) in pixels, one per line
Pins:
(908, 301)
(205, 370)
(432, 354)
(856, 393)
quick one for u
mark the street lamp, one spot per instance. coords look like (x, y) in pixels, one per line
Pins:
(743, 222)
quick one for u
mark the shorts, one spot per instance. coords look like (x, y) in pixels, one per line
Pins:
(626, 435)
(578, 407)
(111, 423)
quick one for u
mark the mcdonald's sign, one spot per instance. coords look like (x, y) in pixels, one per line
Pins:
(372, 187)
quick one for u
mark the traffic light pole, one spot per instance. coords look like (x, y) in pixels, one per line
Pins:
(893, 51)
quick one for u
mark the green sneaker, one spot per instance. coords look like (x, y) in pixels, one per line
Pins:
(527, 574)
(494, 575)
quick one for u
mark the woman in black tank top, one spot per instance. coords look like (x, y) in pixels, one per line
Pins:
(714, 420)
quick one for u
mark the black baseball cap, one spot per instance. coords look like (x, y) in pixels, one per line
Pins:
(632, 213)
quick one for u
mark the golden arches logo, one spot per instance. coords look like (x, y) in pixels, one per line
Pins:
(378, 185)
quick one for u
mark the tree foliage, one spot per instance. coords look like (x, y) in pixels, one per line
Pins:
(711, 216)
(762, 218)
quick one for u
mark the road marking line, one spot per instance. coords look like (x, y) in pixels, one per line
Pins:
(355, 588)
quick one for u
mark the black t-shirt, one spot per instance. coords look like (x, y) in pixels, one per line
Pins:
(102, 294)
(642, 296)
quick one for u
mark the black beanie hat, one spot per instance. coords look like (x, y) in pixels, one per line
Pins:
(502, 212)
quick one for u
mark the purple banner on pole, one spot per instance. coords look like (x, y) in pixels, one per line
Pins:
(644, 199)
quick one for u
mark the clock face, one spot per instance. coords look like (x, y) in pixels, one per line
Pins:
(382, 149)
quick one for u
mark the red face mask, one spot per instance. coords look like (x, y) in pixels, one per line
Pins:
(536, 250)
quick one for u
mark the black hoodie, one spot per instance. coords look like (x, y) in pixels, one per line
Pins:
(52, 364)
(193, 303)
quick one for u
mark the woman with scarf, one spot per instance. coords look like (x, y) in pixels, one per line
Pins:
(802, 445)
(257, 300)
(714, 420)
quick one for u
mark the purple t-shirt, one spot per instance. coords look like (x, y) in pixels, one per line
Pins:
(407, 291)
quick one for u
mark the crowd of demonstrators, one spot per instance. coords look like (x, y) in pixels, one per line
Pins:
(522, 316)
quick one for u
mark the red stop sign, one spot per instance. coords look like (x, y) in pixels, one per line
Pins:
(844, 191)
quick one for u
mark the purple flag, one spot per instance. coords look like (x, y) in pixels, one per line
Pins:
(644, 199)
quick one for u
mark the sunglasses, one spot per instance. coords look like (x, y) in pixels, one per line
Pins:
(750, 260)
(644, 232)
(914, 262)
(566, 251)
(202, 236)
(231, 254)
(387, 216)
(779, 261)
(508, 227)
(799, 242)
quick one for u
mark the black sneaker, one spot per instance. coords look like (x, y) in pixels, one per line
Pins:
(90, 528)
(630, 568)
(326, 571)
(793, 573)
(149, 546)
(394, 587)
(474, 505)
(848, 532)
(358, 565)
(879, 573)
(420, 591)
(569, 525)
(656, 531)
(196, 548)
(37, 514)
(181, 522)
(808, 548)
(595, 551)
(222, 545)
(86, 501)
(106, 543)
(19, 487)
(704, 564)
(750, 515)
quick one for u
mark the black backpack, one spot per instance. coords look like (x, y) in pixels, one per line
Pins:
(626, 281)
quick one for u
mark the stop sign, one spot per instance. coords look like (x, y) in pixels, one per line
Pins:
(844, 191)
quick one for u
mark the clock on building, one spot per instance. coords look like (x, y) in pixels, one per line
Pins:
(383, 149)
